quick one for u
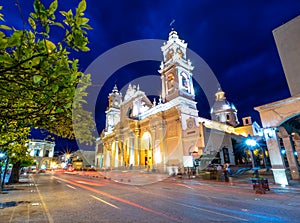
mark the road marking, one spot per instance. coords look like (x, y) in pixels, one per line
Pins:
(50, 219)
(105, 202)
(174, 219)
(71, 186)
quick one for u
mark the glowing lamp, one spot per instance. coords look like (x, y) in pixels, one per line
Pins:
(250, 142)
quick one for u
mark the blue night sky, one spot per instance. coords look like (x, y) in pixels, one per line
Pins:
(233, 37)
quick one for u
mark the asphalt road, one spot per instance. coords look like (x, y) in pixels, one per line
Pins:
(72, 198)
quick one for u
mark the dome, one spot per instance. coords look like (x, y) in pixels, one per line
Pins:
(223, 111)
(220, 106)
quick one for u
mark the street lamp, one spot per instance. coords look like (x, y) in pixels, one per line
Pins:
(2, 178)
(251, 143)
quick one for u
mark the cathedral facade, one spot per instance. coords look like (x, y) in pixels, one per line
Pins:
(169, 132)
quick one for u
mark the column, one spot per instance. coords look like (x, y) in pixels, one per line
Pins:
(289, 153)
(131, 150)
(136, 147)
(163, 91)
(277, 163)
(163, 148)
(116, 153)
(121, 151)
(104, 155)
(296, 139)
(153, 136)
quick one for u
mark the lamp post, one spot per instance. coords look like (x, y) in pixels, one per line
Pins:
(251, 143)
(1, 157)
(2, 179)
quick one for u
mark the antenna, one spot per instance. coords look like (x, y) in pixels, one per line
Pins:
(172, 23)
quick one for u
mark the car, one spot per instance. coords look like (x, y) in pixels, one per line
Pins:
(42, 171)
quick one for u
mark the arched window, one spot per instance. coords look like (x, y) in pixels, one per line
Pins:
(228, 117)
(185, 82)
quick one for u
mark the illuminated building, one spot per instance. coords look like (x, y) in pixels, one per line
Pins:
(141, 133)
(281, 119)
(42, 152)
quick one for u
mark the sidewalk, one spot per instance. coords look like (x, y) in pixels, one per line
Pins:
(21, 203)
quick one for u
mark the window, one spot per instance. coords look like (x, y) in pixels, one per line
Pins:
(36, 152)
(228, 117)
(226, 155)
(185, 82)
(170, 81)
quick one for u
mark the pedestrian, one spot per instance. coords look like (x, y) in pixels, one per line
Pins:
(225, 169)
(219, 172)
(228, 168)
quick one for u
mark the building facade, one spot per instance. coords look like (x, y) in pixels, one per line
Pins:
(42, 152)
(167, 132)
(281, 119)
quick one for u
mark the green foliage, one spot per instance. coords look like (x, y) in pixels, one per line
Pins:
(27, 161)
(38, 79)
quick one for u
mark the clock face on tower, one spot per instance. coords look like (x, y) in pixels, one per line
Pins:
(190, 124)
(116, 103)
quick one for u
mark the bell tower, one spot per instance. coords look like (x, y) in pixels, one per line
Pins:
(113, 109)
(176, 70)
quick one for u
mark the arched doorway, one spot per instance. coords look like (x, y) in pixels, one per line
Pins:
(146, 150)
(289, 149)
(276, 119)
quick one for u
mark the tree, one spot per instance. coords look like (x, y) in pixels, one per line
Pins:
(38, 78)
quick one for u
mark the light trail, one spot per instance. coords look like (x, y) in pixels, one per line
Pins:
(219, 210)
(183, 185)
(210, 211)
(119, 199)
(90, 183)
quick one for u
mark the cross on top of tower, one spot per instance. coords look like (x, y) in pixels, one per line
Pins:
(172, 23)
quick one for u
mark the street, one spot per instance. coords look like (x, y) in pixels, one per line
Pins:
(66, 198)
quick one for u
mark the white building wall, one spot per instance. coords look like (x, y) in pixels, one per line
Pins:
(287, 41)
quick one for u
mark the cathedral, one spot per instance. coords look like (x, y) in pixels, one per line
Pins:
(169, 133)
